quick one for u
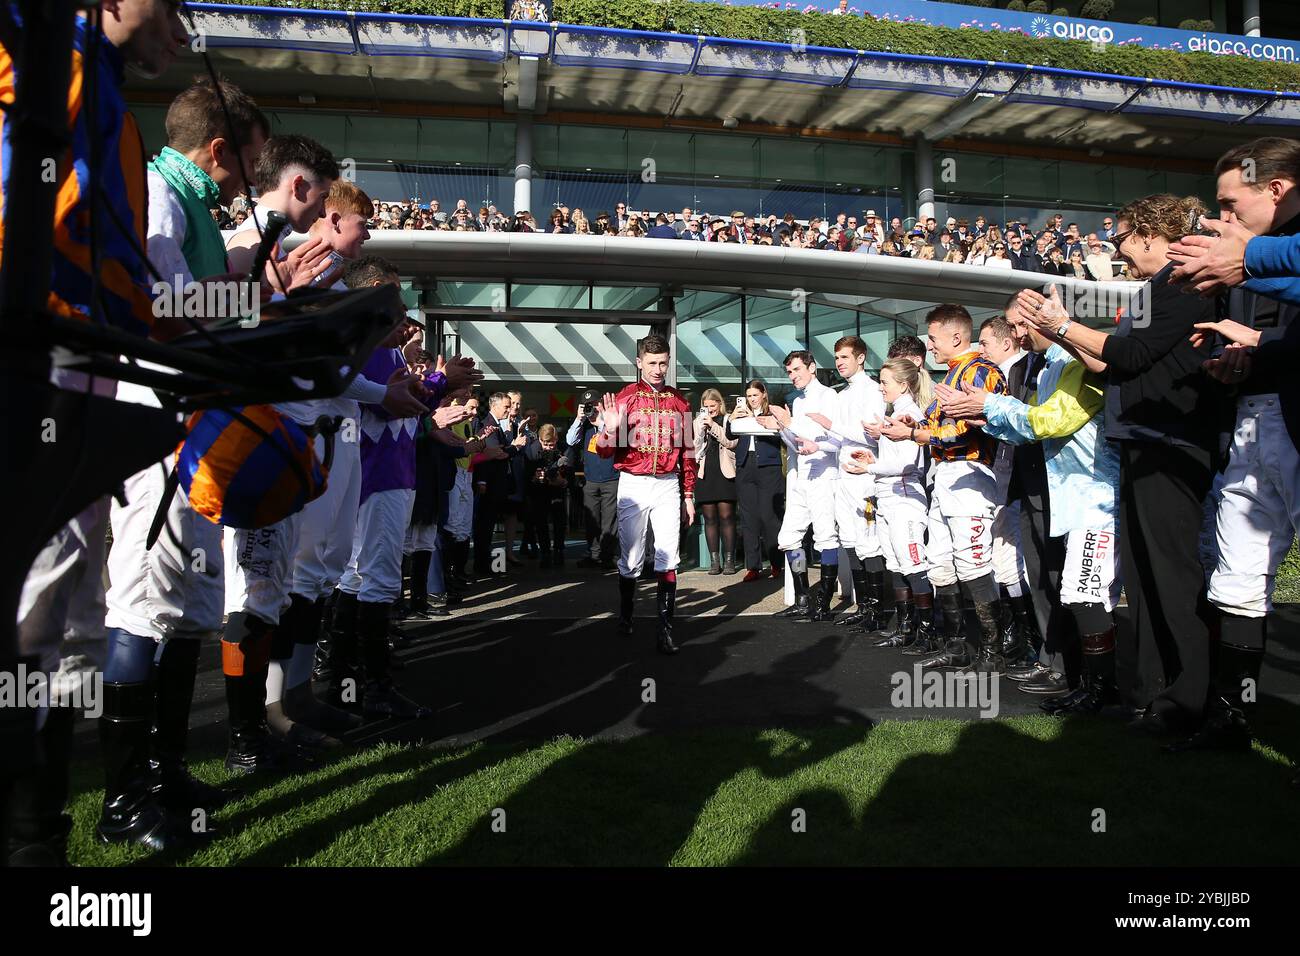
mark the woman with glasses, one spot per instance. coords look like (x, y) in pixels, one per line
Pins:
(998, 257)
(1075, 266)
(1165, 415)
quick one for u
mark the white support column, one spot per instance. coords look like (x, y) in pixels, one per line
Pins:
(1250, 17)
(924, 179)
(524, 163)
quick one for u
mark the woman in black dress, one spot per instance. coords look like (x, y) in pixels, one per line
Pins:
(715, 486)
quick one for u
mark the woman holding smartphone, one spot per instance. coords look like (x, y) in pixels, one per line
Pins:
(715, 486)
(760, 486)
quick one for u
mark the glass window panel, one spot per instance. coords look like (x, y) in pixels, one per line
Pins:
(546, 146)
(1031, 179)
(846, 165)
(470, 293)
(736, 155)
(826, 324)
(590, 192)
(1128, 183)
(1087, 183)
(792, 161)
(524, 354)
(595, 149)
(631, 298)
(773, 329)
(383, 137)
(970, 174)
(501, 144)
(328, 129)
(446, 141)
(530, 296)
(670, 151)
(1190, 184)
(878, 333)
(708, 339)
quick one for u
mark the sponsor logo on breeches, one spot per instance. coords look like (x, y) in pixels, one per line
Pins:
(976, 530)
(1096, 546)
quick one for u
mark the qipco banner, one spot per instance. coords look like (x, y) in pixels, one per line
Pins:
(537, 10)
(1044, 25)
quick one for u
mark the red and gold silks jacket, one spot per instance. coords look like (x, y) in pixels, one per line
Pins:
(655, 435)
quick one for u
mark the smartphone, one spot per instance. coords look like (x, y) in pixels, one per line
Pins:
(334, 260)
(740, 403)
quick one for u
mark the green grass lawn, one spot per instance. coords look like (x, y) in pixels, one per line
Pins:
(1287, 587)
(902, 792)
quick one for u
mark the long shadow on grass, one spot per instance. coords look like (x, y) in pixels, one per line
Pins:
(636, 801)
(1003, 797)
(433, 770)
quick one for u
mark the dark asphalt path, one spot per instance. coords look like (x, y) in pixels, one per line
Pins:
(531, 679)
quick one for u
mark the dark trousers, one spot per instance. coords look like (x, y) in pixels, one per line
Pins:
(600, 501)
(487, 511)
(1044, 562)
(1161, 494)
(760, 496)
(548, 517)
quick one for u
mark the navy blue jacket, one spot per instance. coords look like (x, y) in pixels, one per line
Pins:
(767, 447)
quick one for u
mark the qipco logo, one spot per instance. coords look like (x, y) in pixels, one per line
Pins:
(1083, 31)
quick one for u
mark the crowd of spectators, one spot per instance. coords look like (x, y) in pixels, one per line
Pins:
(1056, 248)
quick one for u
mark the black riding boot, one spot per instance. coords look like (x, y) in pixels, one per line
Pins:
(954, 652)
(345, 658)
(175, 787)
(802, 600)
(666, 598)
(865, 602)
(420, 562)
(381, 698)
(1236, 686)
(626, 603)
(990, 659)
(1015, 648)
(300, 703)
(903, 633)
(819, 608)
(924, 642)
(1022, 609)
(246, 654)
(1098, 687)
(131, 812)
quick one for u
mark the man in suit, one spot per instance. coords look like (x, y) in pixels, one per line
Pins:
(1070, 243)
(492, 481)
(1021, 257)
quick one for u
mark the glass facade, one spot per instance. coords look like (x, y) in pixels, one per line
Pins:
(596, 167)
